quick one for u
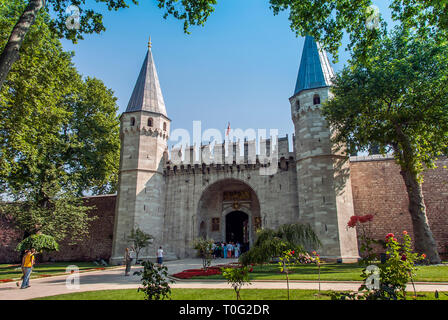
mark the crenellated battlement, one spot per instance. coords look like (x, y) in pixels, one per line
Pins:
(244, 155)
(146, 131)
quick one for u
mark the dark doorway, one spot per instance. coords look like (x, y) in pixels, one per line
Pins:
(237, 227)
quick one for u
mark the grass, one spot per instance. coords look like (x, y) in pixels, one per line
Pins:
(334, 272)
(8, 271)
(216, 294)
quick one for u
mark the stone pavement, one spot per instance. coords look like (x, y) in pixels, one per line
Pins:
(115, 279)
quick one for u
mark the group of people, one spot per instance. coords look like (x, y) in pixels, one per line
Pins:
(226, 250)
(27, 266)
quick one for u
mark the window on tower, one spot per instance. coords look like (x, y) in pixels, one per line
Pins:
(132, 121)
(150, 122)
(164, 126)
(316, 99)
(297, 105)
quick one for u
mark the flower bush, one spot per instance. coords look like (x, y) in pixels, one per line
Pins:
(365, 241)
(394, 274)
(399, 268)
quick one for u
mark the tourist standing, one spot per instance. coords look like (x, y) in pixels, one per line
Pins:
(237, 250)
(229, 249)
(127, 261)
(224, 250)
(160, 256)
(27, 266)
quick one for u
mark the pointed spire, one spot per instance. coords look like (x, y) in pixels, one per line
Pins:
(147, 95)
(315, 70)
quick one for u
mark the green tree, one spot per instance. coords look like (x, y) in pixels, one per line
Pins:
(397, 100)
(237, 278)
(59, 136)
(192, 12)
(328, 20)
(140, 240)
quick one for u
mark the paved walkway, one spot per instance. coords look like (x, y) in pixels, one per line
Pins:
(115, 279)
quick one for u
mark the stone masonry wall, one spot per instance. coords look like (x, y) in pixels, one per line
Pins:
(378, 189)
(97, 245)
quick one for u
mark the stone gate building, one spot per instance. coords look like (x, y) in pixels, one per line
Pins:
(229, 196)
(229, 200)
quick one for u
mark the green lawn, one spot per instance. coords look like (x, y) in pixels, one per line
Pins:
(8, 271)
(334, 272)
(215, 294)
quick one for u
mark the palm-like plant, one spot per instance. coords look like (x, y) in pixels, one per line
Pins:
(271, 243)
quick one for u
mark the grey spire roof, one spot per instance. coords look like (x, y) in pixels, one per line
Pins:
(315, 70)
(147, 95)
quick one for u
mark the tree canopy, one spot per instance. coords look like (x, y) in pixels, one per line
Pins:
(328, 20)
(59, 135)
(397, 100)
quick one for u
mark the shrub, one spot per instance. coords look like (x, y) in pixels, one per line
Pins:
(155, 285)
(237, 278)
(204, 248)
(40, 242)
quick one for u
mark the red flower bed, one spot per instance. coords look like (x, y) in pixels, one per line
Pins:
(6, 280)
(187, 274)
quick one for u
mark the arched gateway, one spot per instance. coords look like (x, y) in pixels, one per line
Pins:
(229, 210)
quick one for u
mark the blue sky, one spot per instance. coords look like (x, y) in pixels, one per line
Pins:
(241, 67)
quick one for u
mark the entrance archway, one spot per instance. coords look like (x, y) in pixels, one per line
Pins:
(237, 227)
(228, 206)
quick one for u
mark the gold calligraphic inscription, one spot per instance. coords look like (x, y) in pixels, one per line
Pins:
(257, 223)
(236, 195)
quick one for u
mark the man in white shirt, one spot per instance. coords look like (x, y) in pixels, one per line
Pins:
(160, 256)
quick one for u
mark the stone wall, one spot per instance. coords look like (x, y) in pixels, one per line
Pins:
(378, 189)
(97, 245)
(9, 238)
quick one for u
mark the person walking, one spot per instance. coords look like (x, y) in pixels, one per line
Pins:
(23, 270)
(127, 261)
(27, 267)
(160, 256)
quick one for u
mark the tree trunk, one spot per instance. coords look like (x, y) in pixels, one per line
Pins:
(10, 52)
(423, 237)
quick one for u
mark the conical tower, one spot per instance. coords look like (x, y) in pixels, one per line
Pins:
(323, 174)
(141, 187)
